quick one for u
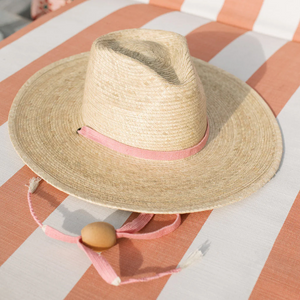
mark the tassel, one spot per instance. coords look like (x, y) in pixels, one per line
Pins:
(193, 257)
(116, 281)
(33, 184)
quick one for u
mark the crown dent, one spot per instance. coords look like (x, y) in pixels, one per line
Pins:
(142, 90)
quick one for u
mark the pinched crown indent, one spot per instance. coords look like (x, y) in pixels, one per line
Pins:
(142, 90)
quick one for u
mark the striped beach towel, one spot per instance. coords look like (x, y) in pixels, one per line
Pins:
(251, 248)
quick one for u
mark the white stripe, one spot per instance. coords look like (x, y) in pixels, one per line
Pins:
(238, 238)
(43, 268)
(247, 53)
(203, 8)
(278, 18)
(10, 162)
(177, 22)
(49, 35)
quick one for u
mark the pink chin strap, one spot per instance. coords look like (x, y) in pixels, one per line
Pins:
(128, 230)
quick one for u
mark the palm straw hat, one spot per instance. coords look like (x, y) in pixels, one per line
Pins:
(150, 105)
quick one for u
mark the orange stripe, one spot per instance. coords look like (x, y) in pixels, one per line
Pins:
(15, 217)
(134, 258)
(279, 278)
(15, 220)
(208, 40)
(279, 77)
(296, 37)
(172, 4)
(128, 17)
(37, 23)
(240, 13)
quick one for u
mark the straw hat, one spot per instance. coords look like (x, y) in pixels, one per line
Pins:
(142, 89)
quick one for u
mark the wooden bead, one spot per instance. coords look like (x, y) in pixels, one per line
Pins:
(99, 236)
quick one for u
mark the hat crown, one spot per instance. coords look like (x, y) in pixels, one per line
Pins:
(142, 90)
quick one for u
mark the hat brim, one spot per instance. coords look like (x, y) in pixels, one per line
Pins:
(243, 151)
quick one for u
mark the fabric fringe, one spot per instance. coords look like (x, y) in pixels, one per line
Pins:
(193, 257)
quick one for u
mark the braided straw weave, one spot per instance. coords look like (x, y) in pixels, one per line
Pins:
(142, 88)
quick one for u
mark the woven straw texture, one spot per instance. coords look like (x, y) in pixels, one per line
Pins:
(158, 105)
(242, 154)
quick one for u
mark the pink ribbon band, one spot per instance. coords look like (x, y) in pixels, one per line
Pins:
(142, 153)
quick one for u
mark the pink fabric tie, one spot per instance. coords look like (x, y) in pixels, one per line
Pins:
(142, 153)
(126, 231)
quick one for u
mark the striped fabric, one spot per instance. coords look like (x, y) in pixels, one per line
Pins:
(252, 248)
(277, 18)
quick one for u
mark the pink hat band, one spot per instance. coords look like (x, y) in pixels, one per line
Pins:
(142, 153)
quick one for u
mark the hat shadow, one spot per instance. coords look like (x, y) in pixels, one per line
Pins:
(131, 254)
(74, 221)
(206, 45)
(131, 264)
